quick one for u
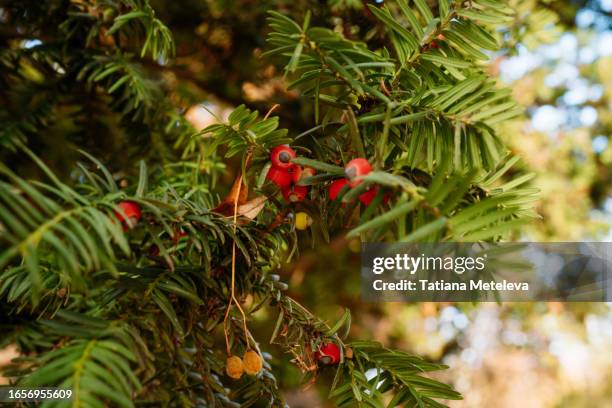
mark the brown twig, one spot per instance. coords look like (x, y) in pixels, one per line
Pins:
(272, 109)
(233, 293)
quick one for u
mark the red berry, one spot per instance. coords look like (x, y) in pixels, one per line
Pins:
(309, 172)
(295, 194)
(280, 177)
(328, 354)
(281, 157)
(336, 187)
(131, 214)
(302, 173)
(367, 197)
(178, 234)
(355, 168)
(296, 173)
(286, 191)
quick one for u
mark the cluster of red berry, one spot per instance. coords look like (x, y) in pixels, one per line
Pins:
(286, 174)
(355, 168)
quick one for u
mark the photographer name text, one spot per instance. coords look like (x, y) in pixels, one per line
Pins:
(441, 285)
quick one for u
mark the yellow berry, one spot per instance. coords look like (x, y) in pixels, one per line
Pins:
(234, 367)
(252, 362)
(302, 220)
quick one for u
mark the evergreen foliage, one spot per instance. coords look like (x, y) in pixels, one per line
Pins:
(136, 316)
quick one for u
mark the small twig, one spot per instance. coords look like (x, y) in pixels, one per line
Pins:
(272, 109)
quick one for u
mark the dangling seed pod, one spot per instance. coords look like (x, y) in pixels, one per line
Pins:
(252, 362)
(234, 367)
